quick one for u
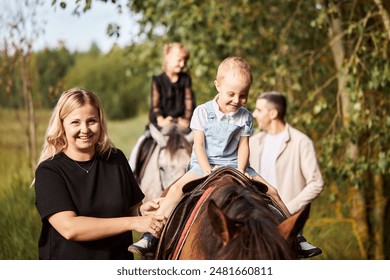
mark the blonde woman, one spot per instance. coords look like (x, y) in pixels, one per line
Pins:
(86, 194)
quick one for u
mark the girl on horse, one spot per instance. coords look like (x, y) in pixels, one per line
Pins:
(172, 101)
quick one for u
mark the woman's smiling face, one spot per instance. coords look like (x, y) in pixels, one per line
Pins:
(82, 130)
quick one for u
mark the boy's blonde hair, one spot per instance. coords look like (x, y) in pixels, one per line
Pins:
(170, 46)
(55, 138)
(238, 67)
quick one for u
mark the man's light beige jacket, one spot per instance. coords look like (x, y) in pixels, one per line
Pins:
(299, 179)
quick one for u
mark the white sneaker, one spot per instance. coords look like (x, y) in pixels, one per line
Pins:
(305, 249)
(306, 246)
(145, 246)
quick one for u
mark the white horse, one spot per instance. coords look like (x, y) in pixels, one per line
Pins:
(168, 161)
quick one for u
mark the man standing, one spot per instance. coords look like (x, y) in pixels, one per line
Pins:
(285, 157)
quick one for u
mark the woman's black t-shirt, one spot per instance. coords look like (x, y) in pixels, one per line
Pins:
(108, 190)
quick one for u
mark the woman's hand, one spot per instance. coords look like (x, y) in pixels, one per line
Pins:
(151, 224)
(183, 122)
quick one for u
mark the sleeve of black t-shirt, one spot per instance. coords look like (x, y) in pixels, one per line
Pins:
(135, 194)
(52, 195)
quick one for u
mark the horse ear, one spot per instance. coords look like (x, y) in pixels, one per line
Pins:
(290, 227)
(222, 225)
(157, 136)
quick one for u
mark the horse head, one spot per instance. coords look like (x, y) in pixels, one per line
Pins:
(169, 160)
(276, 240)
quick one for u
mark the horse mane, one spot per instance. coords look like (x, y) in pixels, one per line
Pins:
(176, 141)
(256, 235)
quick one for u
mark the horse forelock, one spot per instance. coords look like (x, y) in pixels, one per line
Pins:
(176, 141)
(256, 236)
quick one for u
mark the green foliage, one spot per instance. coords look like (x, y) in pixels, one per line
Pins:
(214, 30)
(106, 75)
(51, 67)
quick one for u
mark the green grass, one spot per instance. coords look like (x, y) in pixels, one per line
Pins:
(20, 223)
(335, 235)
(125, 133)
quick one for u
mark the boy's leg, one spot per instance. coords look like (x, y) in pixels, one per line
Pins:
(274, 194)
(174, 194)
(148, 243)
(305, 249)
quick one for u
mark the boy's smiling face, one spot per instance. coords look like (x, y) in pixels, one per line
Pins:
(233, 93)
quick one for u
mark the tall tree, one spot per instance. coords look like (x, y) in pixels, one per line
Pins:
(19, 19)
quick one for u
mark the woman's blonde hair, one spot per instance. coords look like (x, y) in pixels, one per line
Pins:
(236, 65)
(55, 138)
(169, 47)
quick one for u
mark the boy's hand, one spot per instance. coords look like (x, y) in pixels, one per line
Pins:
(150, 207)
(208, 172)
(245, 173)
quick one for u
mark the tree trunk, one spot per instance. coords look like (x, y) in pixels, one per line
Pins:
(378, 218)
(356, 197)
(385, 16)
(32, 145)
(379, 211)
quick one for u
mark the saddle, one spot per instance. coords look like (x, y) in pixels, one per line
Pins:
(195, 193)
(144, 154)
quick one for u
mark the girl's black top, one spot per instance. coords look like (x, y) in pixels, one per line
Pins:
(171, 99)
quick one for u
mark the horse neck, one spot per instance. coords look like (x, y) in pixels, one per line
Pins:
(257, 238)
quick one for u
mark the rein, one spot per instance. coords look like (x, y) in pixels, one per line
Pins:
(190, 223)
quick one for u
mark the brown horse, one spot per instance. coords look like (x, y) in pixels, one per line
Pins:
(228, 216)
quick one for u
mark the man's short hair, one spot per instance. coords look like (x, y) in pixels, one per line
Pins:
(277, 100)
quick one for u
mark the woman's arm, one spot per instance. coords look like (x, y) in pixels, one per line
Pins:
(82, 228)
